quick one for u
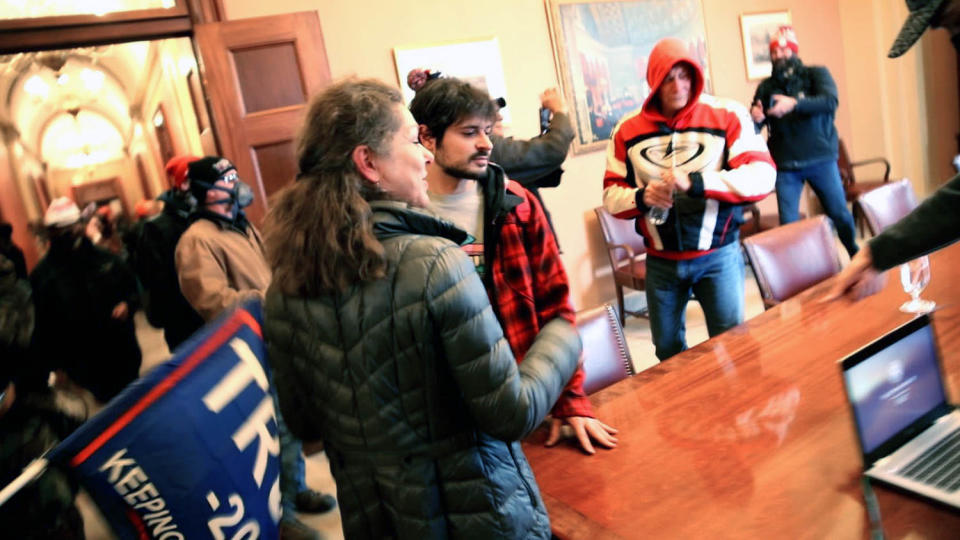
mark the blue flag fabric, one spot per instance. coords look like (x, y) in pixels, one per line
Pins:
(191, 449)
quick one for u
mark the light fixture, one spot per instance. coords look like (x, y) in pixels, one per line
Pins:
(185, 64)
(63, 79)
(92, 79)
(158, 118)
(36, 86)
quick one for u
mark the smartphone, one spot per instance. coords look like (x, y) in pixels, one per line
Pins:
(544, 120)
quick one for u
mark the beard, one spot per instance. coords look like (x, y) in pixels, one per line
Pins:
(461, 170)
(784, 68)
(457, 172)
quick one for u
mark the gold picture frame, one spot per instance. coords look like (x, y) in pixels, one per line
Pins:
(600, 50)
(755, 30)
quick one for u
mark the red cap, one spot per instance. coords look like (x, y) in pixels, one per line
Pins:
(143, 208)
(785, 37)
(177, 169)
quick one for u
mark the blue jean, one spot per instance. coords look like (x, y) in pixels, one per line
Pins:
(824, 178)
(293, 470)
(716, 279)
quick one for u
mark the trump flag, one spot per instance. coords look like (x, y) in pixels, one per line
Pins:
(191, 449)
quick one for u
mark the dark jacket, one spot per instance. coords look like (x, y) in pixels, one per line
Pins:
(154, 263)
(807, 134)
(74, 293)
(535, 163)
(16, 329)
(527, 161)
(413, 389)
(44, 509)
(15, 254)
(931, 226)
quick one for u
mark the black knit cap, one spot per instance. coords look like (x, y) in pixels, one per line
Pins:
(204, 172)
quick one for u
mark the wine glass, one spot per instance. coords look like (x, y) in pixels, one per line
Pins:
(914, 276)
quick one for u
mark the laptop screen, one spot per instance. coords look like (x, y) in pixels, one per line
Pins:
(894, 386)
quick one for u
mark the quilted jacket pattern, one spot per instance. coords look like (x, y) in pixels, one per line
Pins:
(415, 392)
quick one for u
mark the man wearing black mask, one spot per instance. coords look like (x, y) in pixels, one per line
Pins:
(220, 258)
(220, 262)
(798, 104)
(153, 259)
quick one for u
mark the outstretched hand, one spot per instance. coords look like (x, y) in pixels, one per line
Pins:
(584, 429)
(552, 100)
(859, 279)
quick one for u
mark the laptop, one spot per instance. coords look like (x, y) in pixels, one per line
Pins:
(909, 434)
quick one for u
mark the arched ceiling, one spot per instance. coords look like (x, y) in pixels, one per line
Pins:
(36, 87)
(79, 138)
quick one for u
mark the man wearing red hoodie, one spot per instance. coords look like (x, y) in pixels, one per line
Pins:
(698, 157)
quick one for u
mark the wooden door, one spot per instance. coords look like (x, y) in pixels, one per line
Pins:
(260, 74)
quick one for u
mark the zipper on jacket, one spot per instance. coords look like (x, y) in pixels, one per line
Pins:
(676, 209)
(534, 500)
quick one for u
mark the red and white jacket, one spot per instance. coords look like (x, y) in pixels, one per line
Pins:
(712, 139)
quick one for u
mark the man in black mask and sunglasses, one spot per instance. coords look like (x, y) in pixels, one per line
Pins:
(220, 262)
(798, 103)
(220, 258)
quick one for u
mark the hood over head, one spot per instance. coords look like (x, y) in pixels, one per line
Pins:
(667, 53)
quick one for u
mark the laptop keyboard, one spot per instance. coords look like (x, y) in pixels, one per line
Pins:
(939, 465)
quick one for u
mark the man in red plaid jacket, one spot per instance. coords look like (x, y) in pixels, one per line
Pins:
(512, 245)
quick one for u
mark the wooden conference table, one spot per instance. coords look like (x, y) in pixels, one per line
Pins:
(748, 435)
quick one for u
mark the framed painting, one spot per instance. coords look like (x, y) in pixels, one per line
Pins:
(477, 62)
(756, 29)
(601, 50)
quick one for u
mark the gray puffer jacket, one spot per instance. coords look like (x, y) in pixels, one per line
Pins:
(413, 389)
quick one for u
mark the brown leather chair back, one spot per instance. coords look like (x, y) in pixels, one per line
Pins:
(792, 258)
(619, 233)
(606, 358)
(851, 186)
(844, 164)
(625, 249)
(887, 204)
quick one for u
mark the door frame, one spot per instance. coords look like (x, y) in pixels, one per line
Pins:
(65, 32)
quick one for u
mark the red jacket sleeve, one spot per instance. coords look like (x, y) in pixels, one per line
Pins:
(552, 299)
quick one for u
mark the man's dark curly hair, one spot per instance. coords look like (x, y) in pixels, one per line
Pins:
(444, 102)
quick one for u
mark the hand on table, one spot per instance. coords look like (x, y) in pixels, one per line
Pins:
(584, 429)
